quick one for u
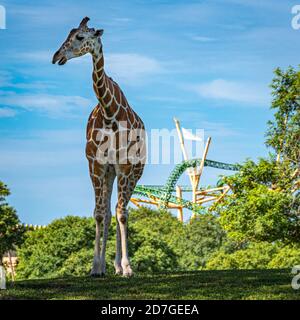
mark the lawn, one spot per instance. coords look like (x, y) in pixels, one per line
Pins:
(231, 284)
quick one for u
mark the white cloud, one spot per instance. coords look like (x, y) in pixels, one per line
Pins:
(120, 20)
(7, 80)
(35, 158)
(131, 66)
(45, 15)
(211, 128)
(52, 105)
(202, 38)
(271, 5)
(196, 12)
(35, 85)
(37, 56)
(7, 113)
(59, 148)
(221, 89)
(218, 129)
(45, 56)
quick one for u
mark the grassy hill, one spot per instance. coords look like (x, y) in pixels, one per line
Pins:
(231, 284)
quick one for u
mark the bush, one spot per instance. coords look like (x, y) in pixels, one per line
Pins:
(154, 256)
(254, 256)
(286, 257)
(261, 255)
(78, 263)
(202, 237)
(45, 251)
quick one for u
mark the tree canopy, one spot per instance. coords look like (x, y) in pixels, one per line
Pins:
(10, 230)
(259, 207)
(283, 133)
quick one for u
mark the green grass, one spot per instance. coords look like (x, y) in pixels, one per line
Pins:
(231, 284)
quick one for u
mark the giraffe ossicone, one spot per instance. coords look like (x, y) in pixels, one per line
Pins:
(114, 115)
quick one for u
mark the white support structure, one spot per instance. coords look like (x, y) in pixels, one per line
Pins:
(194, 175)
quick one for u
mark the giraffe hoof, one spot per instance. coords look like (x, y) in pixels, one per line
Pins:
(127, 273)
(119, 272)
(97, 275)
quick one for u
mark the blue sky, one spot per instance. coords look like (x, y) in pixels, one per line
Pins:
(209, 63)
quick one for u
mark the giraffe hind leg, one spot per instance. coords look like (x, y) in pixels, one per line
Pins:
(126, 186)
(117, 263)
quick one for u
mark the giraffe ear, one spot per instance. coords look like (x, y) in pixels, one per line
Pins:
(99, 33)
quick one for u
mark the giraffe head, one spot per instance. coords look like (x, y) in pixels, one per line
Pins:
(80, 41)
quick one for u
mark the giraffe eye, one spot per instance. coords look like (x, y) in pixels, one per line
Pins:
(79, 38)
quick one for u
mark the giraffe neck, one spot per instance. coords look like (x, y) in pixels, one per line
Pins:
(102, 84)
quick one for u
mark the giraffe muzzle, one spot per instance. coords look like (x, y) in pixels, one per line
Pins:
(60, 58)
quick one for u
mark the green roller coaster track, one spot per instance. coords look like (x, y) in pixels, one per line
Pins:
(164, 194)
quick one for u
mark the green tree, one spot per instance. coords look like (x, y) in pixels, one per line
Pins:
(256, 211)
(46, 251)
(10, 231)
(283, 133)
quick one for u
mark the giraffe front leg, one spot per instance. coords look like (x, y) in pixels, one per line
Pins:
(117, 263)
(122, 216)
(96, 269)
(125, 188)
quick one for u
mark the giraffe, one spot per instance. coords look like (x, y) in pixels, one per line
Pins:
(112, 114)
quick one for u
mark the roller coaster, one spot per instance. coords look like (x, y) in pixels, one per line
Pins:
(163, 195)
